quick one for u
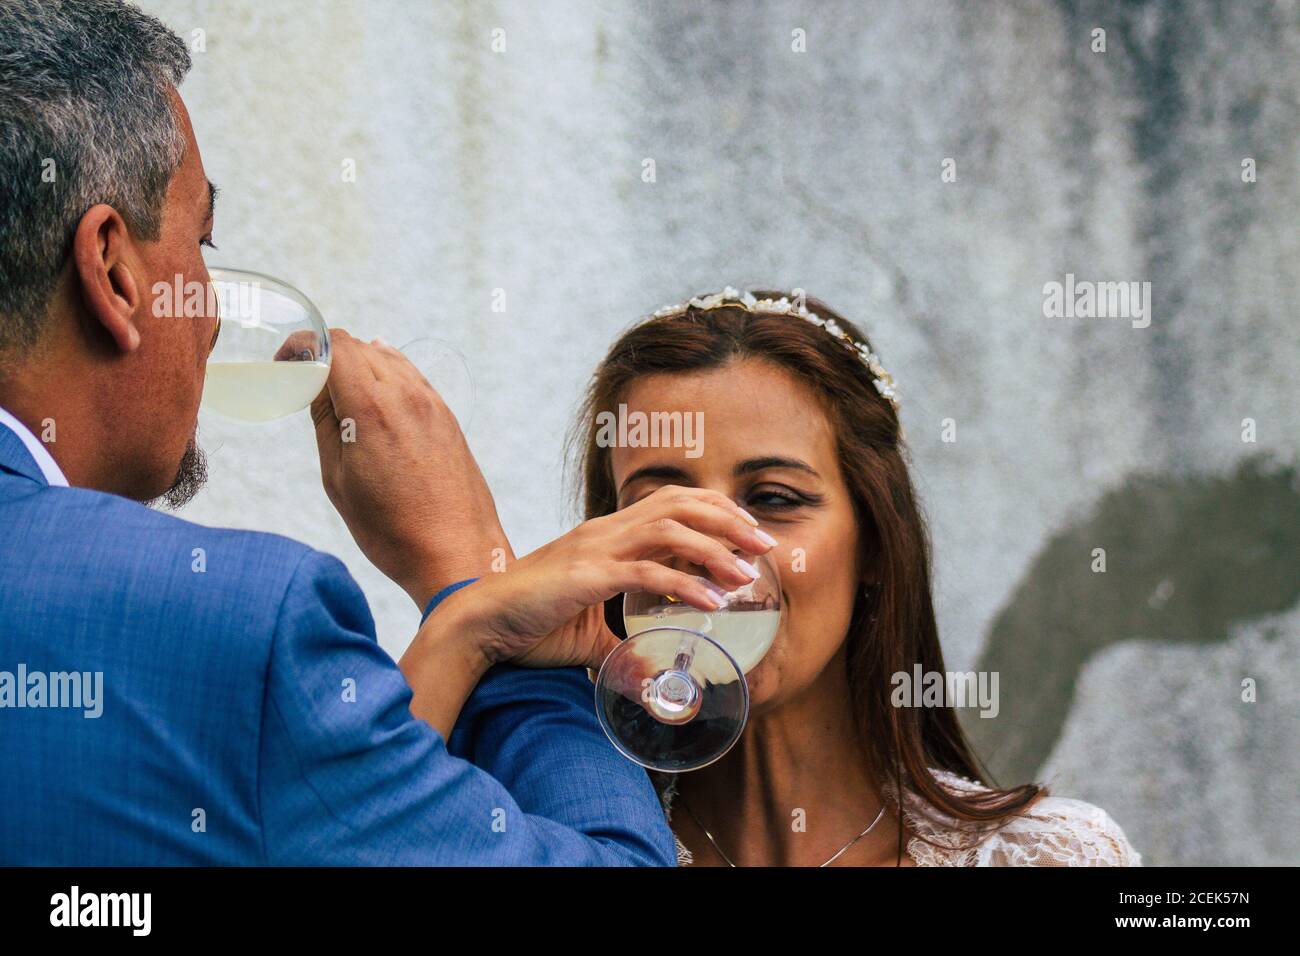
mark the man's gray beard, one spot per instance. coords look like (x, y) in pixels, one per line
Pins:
(190, 478)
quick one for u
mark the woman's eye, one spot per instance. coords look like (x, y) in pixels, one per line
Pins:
(208, 242)
(774, 500)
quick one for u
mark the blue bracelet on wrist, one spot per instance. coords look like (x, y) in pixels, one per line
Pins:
(442, 596)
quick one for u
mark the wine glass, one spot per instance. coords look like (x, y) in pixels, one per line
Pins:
(272, 355)
(673, 695)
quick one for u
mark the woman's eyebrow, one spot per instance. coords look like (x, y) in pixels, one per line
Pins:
(665, 472)
(751, 465)
(676, 475)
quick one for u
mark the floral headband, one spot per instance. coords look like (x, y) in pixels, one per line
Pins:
(883, 381)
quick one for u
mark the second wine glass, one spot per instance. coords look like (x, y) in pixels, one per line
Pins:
(673, 696)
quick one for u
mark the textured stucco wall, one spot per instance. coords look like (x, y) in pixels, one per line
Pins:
(522, 171)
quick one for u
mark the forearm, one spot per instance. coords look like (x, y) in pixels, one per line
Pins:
(536, 731)
(461, 549)
(444, 663)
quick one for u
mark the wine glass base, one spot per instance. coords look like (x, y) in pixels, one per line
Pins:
(667, 710)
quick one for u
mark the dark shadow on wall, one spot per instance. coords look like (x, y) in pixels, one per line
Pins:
(1186, 559)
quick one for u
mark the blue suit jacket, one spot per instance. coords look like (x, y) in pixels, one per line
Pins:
(250, 717)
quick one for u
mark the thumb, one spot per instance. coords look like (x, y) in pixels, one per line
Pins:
(350, 372)
(329, 440)
(325, 421)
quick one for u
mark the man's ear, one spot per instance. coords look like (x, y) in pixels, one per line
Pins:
(107, 285)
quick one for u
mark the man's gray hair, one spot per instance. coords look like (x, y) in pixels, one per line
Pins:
(85, 118)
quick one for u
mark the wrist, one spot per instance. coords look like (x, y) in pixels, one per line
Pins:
(444, 663)
(442, 595)
(455, 559)
(457, 629)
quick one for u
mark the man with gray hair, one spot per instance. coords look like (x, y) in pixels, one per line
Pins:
(247, 713)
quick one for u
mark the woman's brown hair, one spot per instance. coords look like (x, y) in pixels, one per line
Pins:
(893, 628)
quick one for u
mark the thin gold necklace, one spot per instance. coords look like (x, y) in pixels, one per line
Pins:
(705, 830)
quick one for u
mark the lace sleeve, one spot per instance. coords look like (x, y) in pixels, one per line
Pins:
(1059, 831)
(1054, 831)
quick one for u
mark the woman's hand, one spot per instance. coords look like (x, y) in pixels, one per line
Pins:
(546, 609)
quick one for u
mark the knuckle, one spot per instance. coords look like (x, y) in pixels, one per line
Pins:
(722, 501)
(663, 527)
(417, 400)
(669, 492)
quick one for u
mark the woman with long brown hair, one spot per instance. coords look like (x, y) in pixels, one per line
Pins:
(802, 431)
(801, 458)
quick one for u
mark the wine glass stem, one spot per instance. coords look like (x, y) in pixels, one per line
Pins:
(685, 655)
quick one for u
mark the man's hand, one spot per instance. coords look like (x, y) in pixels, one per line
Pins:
(396, 466)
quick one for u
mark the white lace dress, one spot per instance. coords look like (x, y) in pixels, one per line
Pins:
(1055, 831)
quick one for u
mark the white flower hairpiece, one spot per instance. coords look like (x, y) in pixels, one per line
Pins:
(883, 381)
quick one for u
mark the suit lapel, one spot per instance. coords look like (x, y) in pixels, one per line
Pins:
(16, 459)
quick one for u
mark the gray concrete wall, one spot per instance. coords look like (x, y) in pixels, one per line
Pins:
(822, 169)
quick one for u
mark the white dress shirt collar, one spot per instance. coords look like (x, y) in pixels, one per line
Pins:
(44, 460)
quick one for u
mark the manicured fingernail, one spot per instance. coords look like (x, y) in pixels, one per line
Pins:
(749, 517)
(766, 538)
(719, 602)
(747, 568)
(709, 583)
(378, 341)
